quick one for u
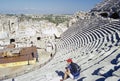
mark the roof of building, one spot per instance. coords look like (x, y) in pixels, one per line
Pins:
(26, 53)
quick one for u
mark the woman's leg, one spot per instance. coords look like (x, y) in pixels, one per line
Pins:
(67, 73)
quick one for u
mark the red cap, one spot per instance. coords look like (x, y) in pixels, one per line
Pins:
(69, 60)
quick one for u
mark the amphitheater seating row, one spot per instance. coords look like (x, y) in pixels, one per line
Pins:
(89, 36)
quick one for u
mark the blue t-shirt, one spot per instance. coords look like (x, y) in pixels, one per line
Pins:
(75, 74)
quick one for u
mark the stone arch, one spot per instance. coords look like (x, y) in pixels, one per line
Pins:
(115, 15)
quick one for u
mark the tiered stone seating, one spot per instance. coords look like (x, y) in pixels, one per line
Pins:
(87, 63)
(92, 43)
(102, 41)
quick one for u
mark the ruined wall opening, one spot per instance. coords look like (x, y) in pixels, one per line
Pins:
(12, 40)
(104, 15)
(115, 16)
(38, 38)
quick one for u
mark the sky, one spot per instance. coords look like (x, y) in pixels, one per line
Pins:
(46, 6)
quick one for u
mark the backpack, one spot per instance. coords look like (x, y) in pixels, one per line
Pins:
(75, 68)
